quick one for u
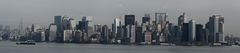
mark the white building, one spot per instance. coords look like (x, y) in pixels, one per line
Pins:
(52, 32)
(131, 33)
(72, 23)
(67, 35)
(117, 23)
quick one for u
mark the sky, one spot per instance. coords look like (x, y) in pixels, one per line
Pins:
(42, 12)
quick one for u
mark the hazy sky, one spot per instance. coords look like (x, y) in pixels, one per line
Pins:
(104, 11)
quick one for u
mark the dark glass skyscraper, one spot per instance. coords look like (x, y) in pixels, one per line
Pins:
(146, 18)
(199, 32)
(58, 21)
(185, 33)
(129, 20)
(105, 34)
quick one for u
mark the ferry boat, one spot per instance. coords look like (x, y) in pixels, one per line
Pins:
(28, 42)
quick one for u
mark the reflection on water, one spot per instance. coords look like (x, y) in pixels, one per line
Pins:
(11, 47)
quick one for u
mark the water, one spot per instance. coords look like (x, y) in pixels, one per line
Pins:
(11, 47)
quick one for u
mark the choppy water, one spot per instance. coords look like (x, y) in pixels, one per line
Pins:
(11, 47)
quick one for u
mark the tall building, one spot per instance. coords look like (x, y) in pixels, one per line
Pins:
(58, 21)
(185, 33)
(88, 25)
(117, 23)
(78, 36)
(146, 18)
(205, 36)
(182, 19)
(139, 34)
(221, 30)
(199, 33)
(129, 20)
(105, 34)
(43, 37)
(88, 19)
(148, 37)
(81, 26)
(161, 26)
(132, 31)
(120, 33)
(192, 30)
(176, 34)
(35, 27)
(216, 28)
(129, 34)
(72, 23)
(98, 28)
(66, 23)
(160, 18)
(52, 32)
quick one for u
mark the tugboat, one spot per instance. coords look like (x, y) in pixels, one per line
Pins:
(28, 42)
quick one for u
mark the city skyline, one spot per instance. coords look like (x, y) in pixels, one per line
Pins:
(42, 14)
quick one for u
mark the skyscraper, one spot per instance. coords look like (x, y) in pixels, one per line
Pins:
(98, 28)
(185, 33)
(130, 34)
(139, 34)
(161, 26)
(52, 32)
(192, 31)
(72, 23)
(160, 18)
(221, 30)
(129, 20)
(117, 23)
(199, 33)
(146, 18)
(182, 19)
(65, 23)
(88, 25)
(58, 21)
(215, 27)
(105, 34)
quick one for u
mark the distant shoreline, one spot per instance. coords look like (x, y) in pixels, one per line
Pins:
(123, 44)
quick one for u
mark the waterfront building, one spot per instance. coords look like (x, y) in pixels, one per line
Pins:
(52, 32)
(58, 21)
(148, 37)
(67, 35)
(78, 37)
(216, 28)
